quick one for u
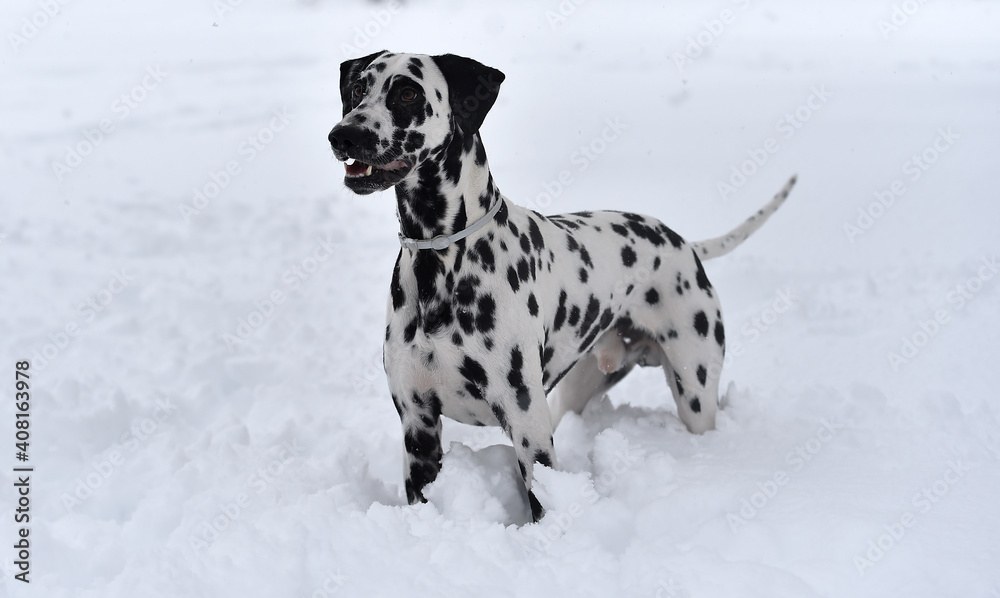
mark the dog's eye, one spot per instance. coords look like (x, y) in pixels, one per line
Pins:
(358, 91)
(408, 94)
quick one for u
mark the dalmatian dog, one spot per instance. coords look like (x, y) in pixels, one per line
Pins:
(493, 307)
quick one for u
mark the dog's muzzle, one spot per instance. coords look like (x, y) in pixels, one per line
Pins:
(365, 171)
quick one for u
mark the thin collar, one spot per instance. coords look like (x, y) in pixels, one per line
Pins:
(443, 242)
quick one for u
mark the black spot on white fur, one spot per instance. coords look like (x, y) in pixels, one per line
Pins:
(701, 323)
(628, 256)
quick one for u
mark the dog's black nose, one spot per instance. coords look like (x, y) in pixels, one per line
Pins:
(344, 138)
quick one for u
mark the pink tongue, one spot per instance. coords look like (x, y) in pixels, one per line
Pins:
(356, 168)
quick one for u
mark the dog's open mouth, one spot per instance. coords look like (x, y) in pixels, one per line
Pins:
(361, 177)
(356, 168)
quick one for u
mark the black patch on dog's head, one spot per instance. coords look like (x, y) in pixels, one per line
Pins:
(350, 73)
(472, 89)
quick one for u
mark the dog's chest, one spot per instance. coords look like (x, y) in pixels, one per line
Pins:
(442, 329)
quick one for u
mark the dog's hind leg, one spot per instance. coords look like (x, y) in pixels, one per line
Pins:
(692, 365)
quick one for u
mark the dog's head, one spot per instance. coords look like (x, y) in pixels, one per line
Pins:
(402, 109)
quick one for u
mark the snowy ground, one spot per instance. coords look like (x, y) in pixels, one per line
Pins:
(202, 302)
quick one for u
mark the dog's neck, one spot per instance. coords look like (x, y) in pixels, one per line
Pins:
(452, 188)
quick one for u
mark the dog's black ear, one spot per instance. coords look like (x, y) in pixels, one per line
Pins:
(472, 89)
(349, 72)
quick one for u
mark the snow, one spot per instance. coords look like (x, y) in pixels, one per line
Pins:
(209, 416)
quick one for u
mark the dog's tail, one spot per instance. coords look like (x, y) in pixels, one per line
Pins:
(719, 246)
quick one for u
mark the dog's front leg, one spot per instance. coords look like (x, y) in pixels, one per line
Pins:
(420, 415)
(523, 414)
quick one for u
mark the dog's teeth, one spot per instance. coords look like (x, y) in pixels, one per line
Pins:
(349, 161)
(369, 171)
